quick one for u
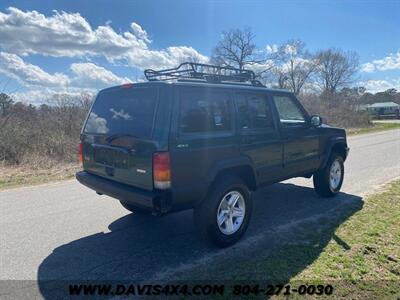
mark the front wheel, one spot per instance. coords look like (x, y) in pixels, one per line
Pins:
(223, 217)
(329, 180)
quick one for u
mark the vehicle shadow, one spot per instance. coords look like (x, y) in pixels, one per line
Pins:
(289, 229)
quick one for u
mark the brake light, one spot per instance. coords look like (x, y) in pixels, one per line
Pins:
(80, 152)
(162, 170)
(127, 85)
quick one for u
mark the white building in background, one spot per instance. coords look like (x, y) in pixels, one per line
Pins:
(381, 109)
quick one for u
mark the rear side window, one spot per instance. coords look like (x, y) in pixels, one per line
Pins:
(204, 111)
(254, 112)
(289, 112)
(124, 111)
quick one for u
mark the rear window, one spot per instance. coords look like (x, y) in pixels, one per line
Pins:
(124, 111)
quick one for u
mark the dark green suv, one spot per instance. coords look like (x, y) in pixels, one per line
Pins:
(204, 137)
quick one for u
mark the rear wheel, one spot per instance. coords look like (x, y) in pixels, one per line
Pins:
(223, 217)
(329, 180)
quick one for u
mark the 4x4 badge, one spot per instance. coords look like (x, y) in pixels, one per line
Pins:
(182, 146)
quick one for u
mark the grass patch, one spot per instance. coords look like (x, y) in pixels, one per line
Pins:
(363, 257)
(374, 128)
(356, 250)
(24, 176)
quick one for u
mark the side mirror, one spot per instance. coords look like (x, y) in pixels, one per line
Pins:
(315, 121)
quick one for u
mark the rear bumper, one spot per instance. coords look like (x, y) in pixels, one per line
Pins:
(157, 202)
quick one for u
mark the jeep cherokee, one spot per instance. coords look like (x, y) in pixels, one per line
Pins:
(204, 137)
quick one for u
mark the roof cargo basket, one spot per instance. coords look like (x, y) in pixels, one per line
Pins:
(210, 73)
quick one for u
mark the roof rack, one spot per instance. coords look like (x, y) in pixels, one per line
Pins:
(210, 73)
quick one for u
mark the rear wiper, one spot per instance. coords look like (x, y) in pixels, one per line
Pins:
(119, 135)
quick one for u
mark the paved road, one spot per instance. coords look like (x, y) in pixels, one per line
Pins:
(66, 231)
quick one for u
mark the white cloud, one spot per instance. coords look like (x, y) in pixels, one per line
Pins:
(91, 75)
(390, 62)
(299, 63)
(85, 75)
(41, 86)
(96, 124)
(139, 32)
(374, 86)
(63, 34)
(170, 57)
(368, 68)
(259, 68)
(39, 96)
(70, 35)
(272, 48)
(13, 66)
(290, 49)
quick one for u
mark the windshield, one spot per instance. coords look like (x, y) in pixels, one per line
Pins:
(124, 111)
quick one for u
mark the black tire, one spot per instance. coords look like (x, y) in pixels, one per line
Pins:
(134, 209)
(321, 179)
(205, 215)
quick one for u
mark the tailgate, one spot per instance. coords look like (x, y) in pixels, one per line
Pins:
(119, 135)
(131, 165)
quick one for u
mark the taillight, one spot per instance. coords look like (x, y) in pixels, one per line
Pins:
(127, 85)
(80, 152)
(162, 170)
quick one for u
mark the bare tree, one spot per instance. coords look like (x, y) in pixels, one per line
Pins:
(236, 49)
(282, 81)
(294, 65)
(336, 69)
(191, 58)
(5, 104)
(84, 101)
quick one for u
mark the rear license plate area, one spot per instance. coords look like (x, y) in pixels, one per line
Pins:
(111, 157)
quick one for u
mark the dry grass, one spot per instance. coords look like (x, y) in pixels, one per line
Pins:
(360, 258)
(376, 127)
(356, 251)
(370, 267)
(14, 176)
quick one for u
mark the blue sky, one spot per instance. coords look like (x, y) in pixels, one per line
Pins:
(51, 48)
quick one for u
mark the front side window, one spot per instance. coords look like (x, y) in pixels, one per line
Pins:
(204, 112)
(254, 112)
(289, 112)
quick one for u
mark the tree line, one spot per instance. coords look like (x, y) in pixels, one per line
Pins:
(324, 80)
(289, 65)
(41, 135)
